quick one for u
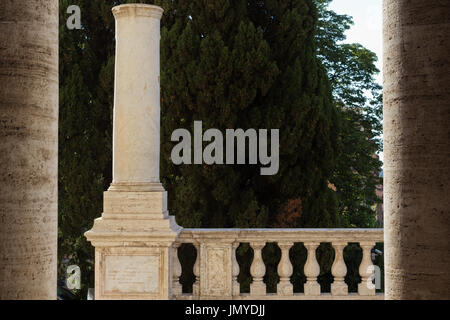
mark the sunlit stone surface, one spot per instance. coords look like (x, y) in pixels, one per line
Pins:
(133, 238)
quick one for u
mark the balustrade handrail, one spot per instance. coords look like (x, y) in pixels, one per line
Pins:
(349, 235)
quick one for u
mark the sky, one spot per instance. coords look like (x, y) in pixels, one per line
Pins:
(367, 28)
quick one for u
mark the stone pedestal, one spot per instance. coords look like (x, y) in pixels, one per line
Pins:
(133, 246)
(133, 239)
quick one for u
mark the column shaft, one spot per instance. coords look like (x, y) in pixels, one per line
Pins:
(136, 128)
(417, 148)
(28, 148)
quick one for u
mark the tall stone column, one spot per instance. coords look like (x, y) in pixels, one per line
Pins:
(136, 127)
(133, 238)
(417, 148)
(28, 148)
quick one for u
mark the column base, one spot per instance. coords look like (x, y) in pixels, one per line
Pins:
(364, 290)
(285, 288)
(136, 186)
(312, 289)
(339, 289)
(258, 289)
(133, 246)
(236, 289)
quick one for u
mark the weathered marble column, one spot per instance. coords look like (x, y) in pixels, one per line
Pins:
(417, 148)
(28, 148)
(133, 239)
(136, 127)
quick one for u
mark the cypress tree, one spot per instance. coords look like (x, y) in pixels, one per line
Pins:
(248, 64)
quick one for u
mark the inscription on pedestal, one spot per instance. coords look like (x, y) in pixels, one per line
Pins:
(131, 274)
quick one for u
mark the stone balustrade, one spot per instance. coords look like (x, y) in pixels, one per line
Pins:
(216, 268)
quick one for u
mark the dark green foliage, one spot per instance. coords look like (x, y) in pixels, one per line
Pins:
(298, 255)
(271, 255)
(244, 256)
(86, 81)
(248, 65)
(187, 255)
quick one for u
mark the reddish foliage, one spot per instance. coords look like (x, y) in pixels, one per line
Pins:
(289, 214)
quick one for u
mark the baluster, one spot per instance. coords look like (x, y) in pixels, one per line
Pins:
(196, 270)
(236, 291)
(312, 270)
(366, 270)
(257, 270)
(176, 285)
(339, 270)
(285, 270)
